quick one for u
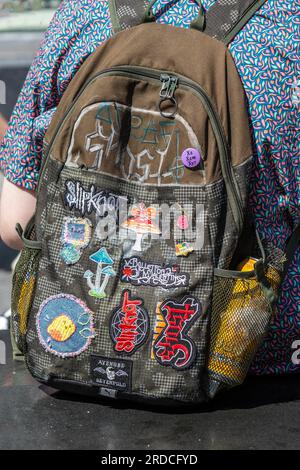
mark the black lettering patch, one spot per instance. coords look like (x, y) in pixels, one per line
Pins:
(173, 347)
(142, 273)
(111, 373)
(93, 199)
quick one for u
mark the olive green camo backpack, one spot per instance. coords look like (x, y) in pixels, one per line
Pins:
(141, 276)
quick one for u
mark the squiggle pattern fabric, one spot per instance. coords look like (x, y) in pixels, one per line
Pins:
(267, 55)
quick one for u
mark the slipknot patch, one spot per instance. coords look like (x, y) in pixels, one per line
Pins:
(173, 347)
(129, 325)
(93, 199)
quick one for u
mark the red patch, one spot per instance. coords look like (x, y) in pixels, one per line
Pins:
(129, 326)
(127, 272)
(174, 347)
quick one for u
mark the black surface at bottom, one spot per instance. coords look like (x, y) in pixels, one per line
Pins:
(262, 414)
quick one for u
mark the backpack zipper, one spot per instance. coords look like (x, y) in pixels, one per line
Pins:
(167, 93)
(170, 82)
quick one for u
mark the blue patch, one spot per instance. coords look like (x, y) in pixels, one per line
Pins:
(70, 254)
(76, 235)
(65, 325)
(98, 282)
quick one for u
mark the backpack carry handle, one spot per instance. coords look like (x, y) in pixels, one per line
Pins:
(198, 23)
(149, 16)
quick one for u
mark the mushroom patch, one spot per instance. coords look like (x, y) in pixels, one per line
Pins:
(97, 281)
(141, 222)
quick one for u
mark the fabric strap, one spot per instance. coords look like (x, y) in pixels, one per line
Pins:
(223, 20)
(227, 17)
(127, 13)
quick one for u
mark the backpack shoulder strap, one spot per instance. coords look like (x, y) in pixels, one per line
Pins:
(223, 20)
(226, 18)
(126, 13)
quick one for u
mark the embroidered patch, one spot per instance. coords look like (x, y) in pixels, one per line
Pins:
(141, 221)
(97, 288)
(87, 201)
(70, 254)
(129, 324)
(173, 347)
(141, 273)
(76, 235)
(64, 325)
(111, 373)
(183, 249)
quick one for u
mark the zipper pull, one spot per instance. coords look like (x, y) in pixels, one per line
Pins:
(167, 92)
(169, 85)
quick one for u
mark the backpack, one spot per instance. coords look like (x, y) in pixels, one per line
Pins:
(142, 276)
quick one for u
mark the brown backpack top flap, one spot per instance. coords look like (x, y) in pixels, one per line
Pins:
(208, 63)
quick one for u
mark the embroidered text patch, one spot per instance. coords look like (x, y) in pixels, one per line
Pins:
(173, 347)
(93, 199)
(129, 324)
(111, 373)
(141, 273)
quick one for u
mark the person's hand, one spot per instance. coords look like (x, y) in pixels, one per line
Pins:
(3, 127)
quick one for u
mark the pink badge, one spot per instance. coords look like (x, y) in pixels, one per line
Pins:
(183, 222)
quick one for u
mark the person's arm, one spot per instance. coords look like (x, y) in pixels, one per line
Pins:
(3, 127)
(16, 205)
(19, 162)
(21, 148)
(20, 201)
(54, 65)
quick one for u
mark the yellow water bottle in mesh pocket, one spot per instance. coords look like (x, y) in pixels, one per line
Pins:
(24, 283)
(240, 316)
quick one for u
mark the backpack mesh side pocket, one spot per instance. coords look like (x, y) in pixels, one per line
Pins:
(23, 285)
(241, 313)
